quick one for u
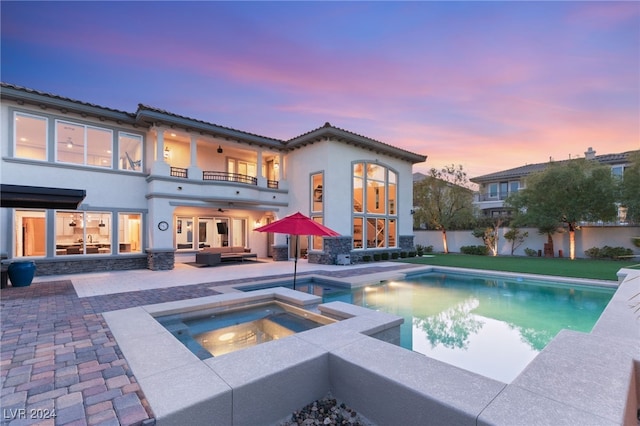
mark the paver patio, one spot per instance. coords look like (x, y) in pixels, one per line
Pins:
(59, 362)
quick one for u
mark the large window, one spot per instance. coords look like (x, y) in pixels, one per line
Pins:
(75, 143)
(204, 232)
(80, 233)
(129, 233)
(374, 206)
(30, 136)
(80, 144)
(317, 207)
(239, 232)
(130, 151)
(30, 233)
(184, 232)
(241, 167)
(493, 190)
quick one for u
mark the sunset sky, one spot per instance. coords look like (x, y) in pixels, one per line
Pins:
(489, 85)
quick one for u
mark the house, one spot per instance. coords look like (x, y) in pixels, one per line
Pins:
(494, 188)
(153, 187)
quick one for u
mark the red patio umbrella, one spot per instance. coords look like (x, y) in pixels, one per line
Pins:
(297, 224)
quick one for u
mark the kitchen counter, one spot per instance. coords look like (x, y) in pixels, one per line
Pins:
(79, 248)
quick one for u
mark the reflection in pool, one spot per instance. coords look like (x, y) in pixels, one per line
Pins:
(492, 326)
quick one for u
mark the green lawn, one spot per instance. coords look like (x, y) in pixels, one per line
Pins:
(579, 268)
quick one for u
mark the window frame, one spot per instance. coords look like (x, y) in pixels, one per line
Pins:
(316, 199)
(85, 143)
(20, 213)
(130, 163)
(17, 113)
(381, 214)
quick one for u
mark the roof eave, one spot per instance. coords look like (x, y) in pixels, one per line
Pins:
(45, 101)
(153, 117)
(330, 132)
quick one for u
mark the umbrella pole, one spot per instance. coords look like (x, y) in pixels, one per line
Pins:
(295, 263)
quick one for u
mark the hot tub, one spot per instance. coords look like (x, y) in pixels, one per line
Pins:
(206, 333)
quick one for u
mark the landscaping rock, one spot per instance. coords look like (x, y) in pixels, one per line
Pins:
(326, 411)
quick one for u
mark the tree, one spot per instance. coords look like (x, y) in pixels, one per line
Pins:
(490, 234)
(443, 200)
(563, 195)
(515, 237)
(630, 189)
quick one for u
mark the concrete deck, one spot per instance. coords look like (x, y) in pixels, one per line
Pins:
(60, 357)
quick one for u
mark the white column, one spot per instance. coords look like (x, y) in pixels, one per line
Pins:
(262, 181)
(194, 152)
(194, 171)
(160, 166)
(279, 170)
(159, 144)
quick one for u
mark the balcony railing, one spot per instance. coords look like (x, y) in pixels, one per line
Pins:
(224, 177)
(229, 177)
(487, 197)
(179, 172)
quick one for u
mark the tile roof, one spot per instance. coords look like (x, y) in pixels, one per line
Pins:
(147, 115)
(525, 170)
(342, 135)
(19, 93)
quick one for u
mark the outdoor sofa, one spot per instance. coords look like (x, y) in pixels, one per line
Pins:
(215, 255)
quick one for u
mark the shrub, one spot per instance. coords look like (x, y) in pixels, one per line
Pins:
(608, 252)
(593, 253)
(530, 252)
(428, 249)
(478, 250)
(395, 255)
(385, 256)
(403, 254)
(635, 241)
(377, 257)
(412, 254)
(419, 249)
(366, 258)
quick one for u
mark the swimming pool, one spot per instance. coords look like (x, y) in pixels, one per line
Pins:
(493, 326)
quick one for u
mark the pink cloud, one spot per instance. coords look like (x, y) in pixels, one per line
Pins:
(604, 15)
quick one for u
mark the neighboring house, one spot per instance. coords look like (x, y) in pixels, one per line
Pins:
(157, 187)
(494, 188)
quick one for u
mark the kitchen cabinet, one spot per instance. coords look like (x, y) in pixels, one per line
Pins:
(62, 226)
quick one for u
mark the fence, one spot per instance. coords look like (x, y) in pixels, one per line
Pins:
(587, 237)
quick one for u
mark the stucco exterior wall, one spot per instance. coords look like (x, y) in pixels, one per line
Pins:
(173, 185)
(335, 160)
(586, 238)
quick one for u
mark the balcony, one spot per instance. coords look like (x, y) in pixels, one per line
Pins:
(217, 176)
(229, 177)
(179, 172)
(488, 197)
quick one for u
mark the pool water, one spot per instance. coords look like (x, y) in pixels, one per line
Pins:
(491, 326)
(209, 334)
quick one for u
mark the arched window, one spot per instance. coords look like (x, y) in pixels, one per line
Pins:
(375, 211)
